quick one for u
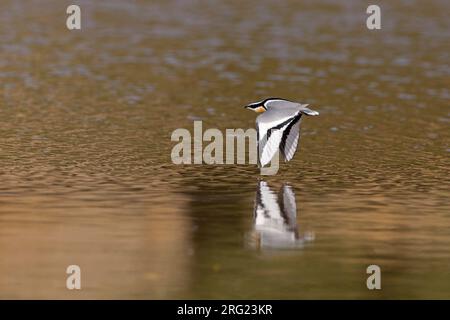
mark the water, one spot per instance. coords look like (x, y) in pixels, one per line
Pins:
(86, 175)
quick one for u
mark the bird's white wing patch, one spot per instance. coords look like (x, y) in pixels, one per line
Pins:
(290, 140)
(270, 137)
(271, 146)
(271, 125)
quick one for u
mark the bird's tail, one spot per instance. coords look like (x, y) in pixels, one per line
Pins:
(308, 111)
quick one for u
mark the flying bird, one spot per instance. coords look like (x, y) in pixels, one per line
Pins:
(278, 127)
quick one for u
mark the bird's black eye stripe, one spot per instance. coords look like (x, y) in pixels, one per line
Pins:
(254, 105)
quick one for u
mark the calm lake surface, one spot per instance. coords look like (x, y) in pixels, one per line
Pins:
(87, 179)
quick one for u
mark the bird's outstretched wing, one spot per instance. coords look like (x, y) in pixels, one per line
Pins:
(271, 126)
(289, 141)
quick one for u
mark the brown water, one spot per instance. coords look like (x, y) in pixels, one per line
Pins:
(86, 175)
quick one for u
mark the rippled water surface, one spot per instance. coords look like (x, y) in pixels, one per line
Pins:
(87, 179)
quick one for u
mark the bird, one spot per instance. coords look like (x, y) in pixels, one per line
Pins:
(278, 127)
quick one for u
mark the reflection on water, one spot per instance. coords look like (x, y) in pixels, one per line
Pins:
(275, 219)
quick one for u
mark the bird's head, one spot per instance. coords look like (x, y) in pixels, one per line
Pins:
(258, 107)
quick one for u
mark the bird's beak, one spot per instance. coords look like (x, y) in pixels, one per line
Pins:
(258, 109)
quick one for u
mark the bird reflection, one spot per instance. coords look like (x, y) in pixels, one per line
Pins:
(275, 220)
